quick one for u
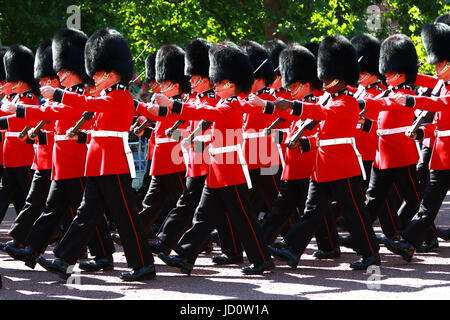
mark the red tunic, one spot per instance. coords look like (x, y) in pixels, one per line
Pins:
(440, 158)
(114, 110)
(167, 157)
(394, 150)
(44, 148)
(69, 157)
(340, 116)
(259, 152)
(18, 153)
(367, 142)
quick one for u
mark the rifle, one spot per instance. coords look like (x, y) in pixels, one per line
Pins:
(308, 124)
(274, 124)
(137, 128)
(202, 126)
(24, 131)
(38, 128)
(424, 114)
(87, 115)
(170, 131)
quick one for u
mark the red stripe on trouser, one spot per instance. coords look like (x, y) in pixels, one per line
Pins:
(181, 181)
(329, 233)
(96, 229)
(414, 186)
(131, 220)
(360, 217)
(390, 215)
(245, 213)
(434, 231)
(398, 193)
(290, 222)
(232, 234)
(29, 173)
(273, 178)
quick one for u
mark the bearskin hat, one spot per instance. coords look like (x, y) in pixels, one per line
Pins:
(313, 47)
(170, 66)
(398, 54)
(150, 70)
(338, 59)
(19, 65)
(107, 50)
(298, 64)
(43, 62)
(196, 59)
(257, 54)
(227, 61)
(275, 46)
(368, 49)
(445, 18)
(436, 39)
(2, 66)
(68, 52)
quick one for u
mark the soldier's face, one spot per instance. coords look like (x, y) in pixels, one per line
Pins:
(442, 70)
(154, 86)
(394, 79)
(224, 89)
(52, 82)
(7, 87)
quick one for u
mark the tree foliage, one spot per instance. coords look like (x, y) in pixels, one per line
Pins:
(156, 22)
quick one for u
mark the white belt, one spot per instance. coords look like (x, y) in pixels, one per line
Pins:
(126, 147)
(12, 134)
(253, 135)
(332, 142)
(384, 132)
(164, 140)
(236, 148)
(280, 153)
(443, 133)
(203, 138)
(61, 137)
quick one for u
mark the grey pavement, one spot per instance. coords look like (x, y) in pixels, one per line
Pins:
(426, 277)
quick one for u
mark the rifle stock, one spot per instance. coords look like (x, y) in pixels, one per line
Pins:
(86, 117)
(38, 128)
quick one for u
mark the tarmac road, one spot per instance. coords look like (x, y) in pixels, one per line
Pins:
(426, 277)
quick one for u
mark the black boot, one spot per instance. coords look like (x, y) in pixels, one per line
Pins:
(444, 234)
(104, 263)
(140, 274)
(158, 246)
(260, 268)
(287, 255)
(429, 247)
(336, 253)
(403, 248)
(178, 262)
(27, 255)
(225, 259)
(366, 262)
(59, 267)
(12, 243)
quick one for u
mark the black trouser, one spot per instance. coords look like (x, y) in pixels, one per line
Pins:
(422, 167)
(179, 218)
(34, 205)
(381, 182)
(348, 194)
(14, 188)
(418, 229)
(213, 204)
(292, 197)
(114, 193)
(62, 203)
(161, 188)
(265, 182)
(143, 189)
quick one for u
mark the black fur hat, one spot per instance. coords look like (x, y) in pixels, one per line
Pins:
(2, 66)
(107, 50)
(313, 47)
(19, 65)
(170, 66)
(68, 52)
(196, 58)
(298, 64)
(275, 46)
(338, 59)
(398, 54)
(257, 54)
(150, 70)
(445, 18)
(227, 61)
(368, 48)
(436, 39)
(43, 62)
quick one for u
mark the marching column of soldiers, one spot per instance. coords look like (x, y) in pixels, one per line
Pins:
(247, 143)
